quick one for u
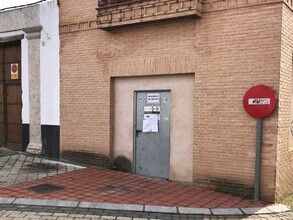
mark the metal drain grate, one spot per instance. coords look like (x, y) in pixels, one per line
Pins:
(45, 188)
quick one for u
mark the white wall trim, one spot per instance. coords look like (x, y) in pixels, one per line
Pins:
(50, 63)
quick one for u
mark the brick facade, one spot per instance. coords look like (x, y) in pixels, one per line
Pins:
(232, 47)
(284, 177)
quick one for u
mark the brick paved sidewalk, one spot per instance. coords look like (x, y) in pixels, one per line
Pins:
(105, 187)
(21, 168)
(100, 185)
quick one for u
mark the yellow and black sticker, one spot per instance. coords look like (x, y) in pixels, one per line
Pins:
(14, 71)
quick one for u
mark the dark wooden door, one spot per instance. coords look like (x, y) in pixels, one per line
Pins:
(10, 96)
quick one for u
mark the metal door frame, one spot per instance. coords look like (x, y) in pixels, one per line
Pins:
(135, 119)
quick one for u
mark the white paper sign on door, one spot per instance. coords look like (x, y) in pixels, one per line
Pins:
(150, 124)
(153, 98)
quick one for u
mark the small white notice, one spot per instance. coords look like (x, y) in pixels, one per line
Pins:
(259, 101)
(150, 124)
(147, 116)
(153, 98)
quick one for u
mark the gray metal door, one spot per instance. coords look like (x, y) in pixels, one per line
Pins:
(152, 134)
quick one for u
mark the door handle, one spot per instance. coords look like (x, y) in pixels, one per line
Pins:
(137, 132)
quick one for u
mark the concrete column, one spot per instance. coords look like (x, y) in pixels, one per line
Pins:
(33, 35)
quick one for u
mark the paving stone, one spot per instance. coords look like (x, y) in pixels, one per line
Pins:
(16, 169)
(17, 215)
(29, 213)
(108, 217)
(76, 215)
(197, 211)
(163, 209)
(44, 213)
(92, 216)
(64, 218)
(6, 200)
(121, 207)
(251, 211)
(21, 168)
(93, 205)
(232, 211)
(61, 214)
(124, 218)
(49, 217)
(67, 203)
(59, 203)
(111, 206)
(278, 208)
(13, 212)
(82, 219)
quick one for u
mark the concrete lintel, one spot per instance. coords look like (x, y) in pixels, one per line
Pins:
(33, 32)
(11, 38)
(29, 30)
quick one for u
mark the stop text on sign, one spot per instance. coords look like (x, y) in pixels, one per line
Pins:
(259, 101)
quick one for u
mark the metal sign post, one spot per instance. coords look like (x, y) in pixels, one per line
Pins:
(259, 102)
(257, 158)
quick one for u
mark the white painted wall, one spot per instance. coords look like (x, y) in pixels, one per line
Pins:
(11, 24)
(24, 81)
(50, 92)
(47, 13)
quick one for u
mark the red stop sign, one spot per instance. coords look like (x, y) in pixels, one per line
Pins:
(259, 101)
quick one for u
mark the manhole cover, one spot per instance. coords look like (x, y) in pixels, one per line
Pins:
(114, 188)
(45, 188)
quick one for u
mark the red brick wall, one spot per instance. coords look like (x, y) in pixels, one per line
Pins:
(284, 178)
(230, 50)
(84, 121)
(239, 48)
(76, 11)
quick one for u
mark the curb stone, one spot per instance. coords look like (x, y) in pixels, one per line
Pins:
(271, 209)
(111, 206)
(230, 211)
